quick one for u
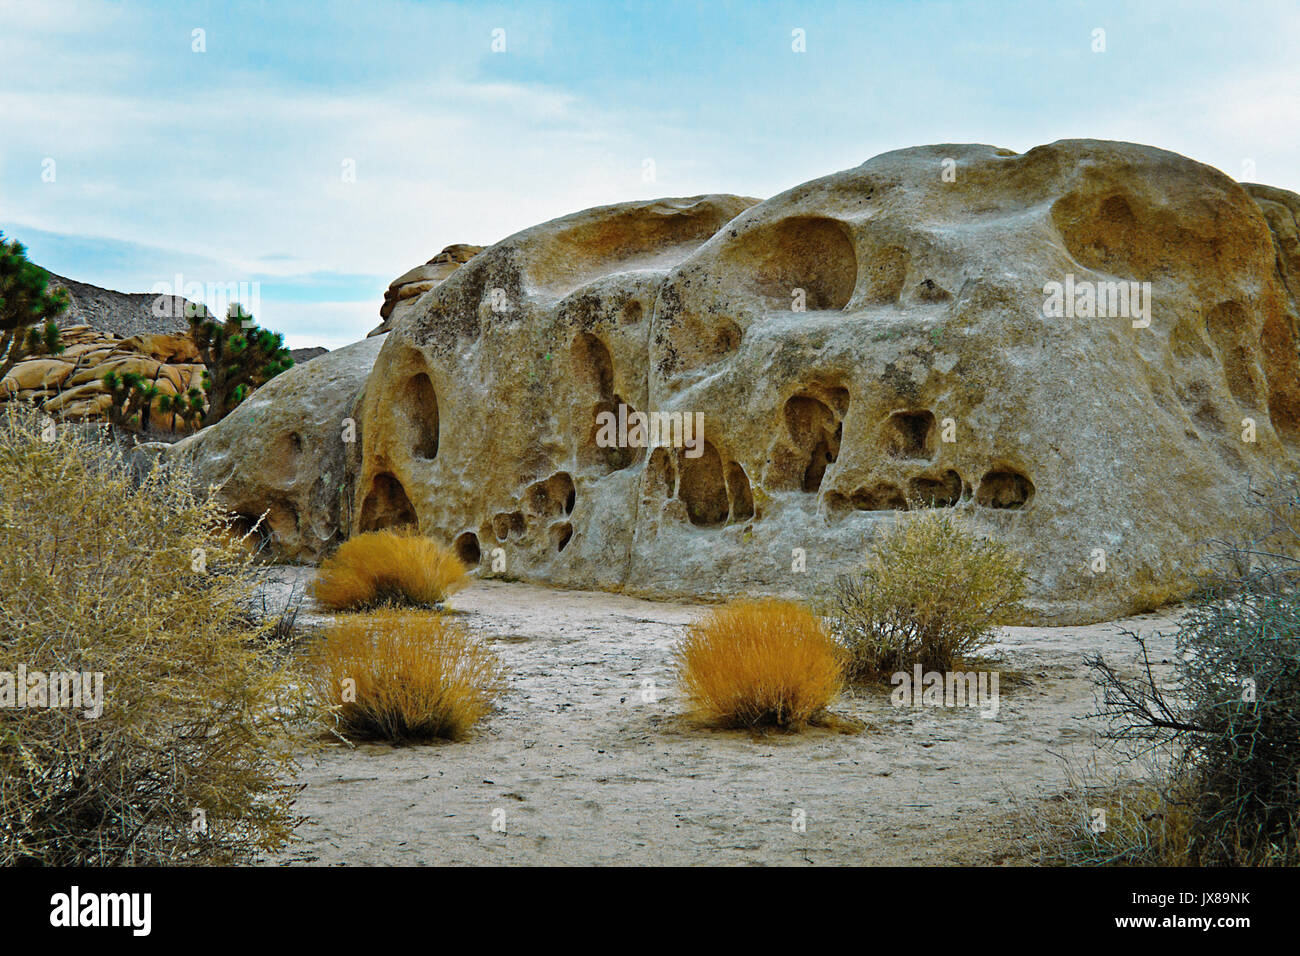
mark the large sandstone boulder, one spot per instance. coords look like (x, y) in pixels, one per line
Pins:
(287, 454)
(888, 337)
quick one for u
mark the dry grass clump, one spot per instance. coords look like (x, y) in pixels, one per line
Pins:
(388, 567)
(932, 593)
(106, 576)
(1134, 824)
(755, 663)
(397, 676)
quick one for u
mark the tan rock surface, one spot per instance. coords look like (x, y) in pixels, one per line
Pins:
(415, 282)
(284, 453)
(925, 318)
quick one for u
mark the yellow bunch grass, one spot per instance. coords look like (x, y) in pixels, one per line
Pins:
(388, 567)
(403, 676)
(754, 663)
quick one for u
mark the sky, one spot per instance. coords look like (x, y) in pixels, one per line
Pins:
(316, 150)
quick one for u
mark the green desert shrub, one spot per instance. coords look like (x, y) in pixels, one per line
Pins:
(1231, 718)
(122, 596)
(931, 593)
(1224, 715)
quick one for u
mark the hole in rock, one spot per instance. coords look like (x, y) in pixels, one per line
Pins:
(1004, 489)
(886, 273)
(645, 236)
(593, 365)
(467, 548)
(1107, 236)
(282, 520)
(508, 524)
(702, 488)
(386, 506)
(419, 408)
(815, 434)
(560, 534)
(661, 475)
(742, 498)
(930, 291)
(805, 252)
(944, 492)
(1229, 327)
(909, 434)
(549, 497)
(245, 529)
(880, 497)
(605, 448)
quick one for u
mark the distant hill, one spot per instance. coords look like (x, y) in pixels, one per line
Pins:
(132, 313)
(123, 313)
(306, 355)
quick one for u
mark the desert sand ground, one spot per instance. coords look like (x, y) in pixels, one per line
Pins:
(579, 768)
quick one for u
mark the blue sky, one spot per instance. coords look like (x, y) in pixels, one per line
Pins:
(228, 165)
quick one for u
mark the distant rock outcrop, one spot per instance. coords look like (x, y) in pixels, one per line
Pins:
(71, 386)
(105, 331)
(406, 288)
(1088, 350)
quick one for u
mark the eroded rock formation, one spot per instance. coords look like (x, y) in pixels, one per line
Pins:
(286, 457)
(880, 339)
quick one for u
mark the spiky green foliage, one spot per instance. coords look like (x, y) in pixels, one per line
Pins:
(188, 408)
(238, 355)
(27, 308)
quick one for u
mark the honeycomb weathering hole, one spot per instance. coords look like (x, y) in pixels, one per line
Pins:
(549, 497)
(1228, 325)
(805, 253)
(467, 548)
(742, 497)
(814, 443)
(881, 497)
(387, 505)
(508, 524)
(702, 488)
(561, 534)
(593, 365)
(1004, 488)
(909, 434)
(419, 405)
(943, 492)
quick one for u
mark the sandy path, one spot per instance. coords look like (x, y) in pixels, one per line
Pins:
(583, 771)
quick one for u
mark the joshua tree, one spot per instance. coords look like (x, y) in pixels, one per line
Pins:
(188, 407)
(125, 391)
(27, 308)
(238, 357)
